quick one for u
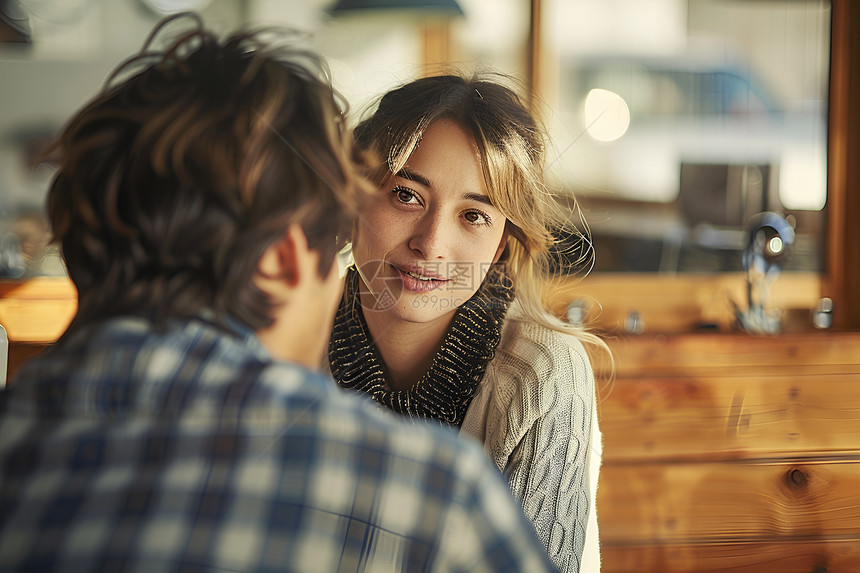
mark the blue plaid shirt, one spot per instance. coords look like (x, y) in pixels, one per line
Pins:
(190, 449)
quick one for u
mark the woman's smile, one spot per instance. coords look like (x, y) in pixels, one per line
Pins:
(417, 282)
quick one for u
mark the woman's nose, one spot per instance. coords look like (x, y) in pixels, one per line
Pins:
(429, 237)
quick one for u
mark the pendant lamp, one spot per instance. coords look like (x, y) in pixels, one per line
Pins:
(344, 7)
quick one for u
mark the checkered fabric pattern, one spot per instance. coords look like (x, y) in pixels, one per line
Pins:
(188, 449)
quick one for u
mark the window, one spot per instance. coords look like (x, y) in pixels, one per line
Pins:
(677, 121)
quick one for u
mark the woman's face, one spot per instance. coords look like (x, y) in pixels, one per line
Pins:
(424, 246)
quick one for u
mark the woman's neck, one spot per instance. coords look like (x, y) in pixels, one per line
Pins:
(407, 348)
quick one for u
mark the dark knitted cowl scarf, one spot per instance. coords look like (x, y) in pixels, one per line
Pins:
(447, 388)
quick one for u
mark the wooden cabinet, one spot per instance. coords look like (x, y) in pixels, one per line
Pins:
(730, 452)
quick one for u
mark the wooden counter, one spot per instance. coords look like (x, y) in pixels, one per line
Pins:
(732, 452)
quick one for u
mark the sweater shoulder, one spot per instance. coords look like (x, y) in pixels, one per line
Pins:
(536, 370)
(533, 353)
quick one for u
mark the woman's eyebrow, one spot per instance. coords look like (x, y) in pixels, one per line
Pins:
(412, 176)
(479, 198)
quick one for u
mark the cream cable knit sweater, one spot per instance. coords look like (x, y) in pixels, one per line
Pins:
(535, 412)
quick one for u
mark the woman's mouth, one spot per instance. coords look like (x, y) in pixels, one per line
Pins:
(416, 281)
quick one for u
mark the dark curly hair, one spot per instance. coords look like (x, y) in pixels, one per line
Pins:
(174, 181)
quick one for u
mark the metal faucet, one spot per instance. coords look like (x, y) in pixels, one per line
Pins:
(769, 246)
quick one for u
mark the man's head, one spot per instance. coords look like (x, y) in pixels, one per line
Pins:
(178, 178)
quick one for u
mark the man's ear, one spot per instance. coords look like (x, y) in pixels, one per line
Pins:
(302, 303)
(287, 259)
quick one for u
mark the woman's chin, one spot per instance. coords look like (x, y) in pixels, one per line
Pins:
(419, 308)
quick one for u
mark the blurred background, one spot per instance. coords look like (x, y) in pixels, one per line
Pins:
(672, 121)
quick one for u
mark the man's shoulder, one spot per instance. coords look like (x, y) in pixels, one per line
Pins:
(204, 381)
(213, 365)
(350, 416)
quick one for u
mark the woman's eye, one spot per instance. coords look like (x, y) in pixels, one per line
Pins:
(477, 218)
(405, 195)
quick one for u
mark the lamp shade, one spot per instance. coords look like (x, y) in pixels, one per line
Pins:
(343, 7)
